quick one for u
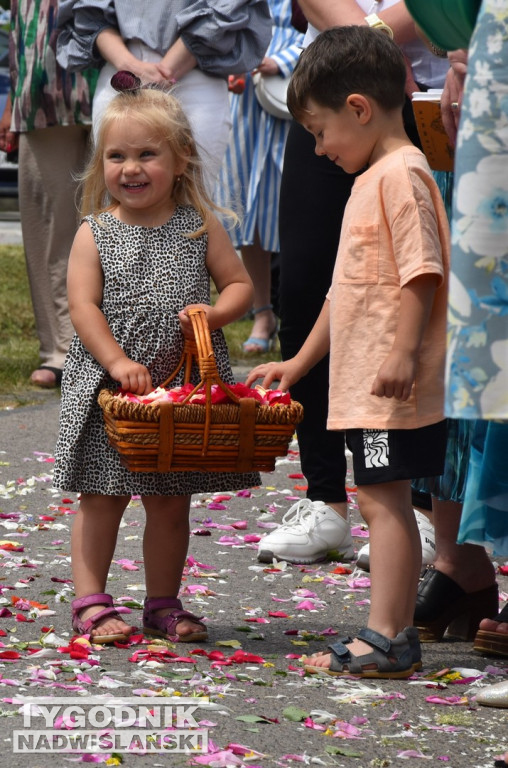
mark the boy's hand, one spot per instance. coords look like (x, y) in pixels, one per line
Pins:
(133, 377)
(395, 377)
(287, 373)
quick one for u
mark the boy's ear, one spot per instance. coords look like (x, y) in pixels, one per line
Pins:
(360, 106)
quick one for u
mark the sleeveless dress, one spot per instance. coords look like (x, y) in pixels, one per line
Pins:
(150, 274)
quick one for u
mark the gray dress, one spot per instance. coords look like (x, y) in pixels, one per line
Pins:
(150, 274)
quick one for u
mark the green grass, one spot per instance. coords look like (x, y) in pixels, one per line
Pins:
(18, 340)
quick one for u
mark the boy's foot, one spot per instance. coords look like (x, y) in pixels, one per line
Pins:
(370, 655)
(427, 536)
(309, 531)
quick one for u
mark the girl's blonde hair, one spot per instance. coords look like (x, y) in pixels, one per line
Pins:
(163, 117)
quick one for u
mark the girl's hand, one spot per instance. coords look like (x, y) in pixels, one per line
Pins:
(287, 373)
(395, 377)
(133, 377)
(186, 323)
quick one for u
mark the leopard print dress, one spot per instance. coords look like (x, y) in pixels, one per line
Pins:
(150, 274)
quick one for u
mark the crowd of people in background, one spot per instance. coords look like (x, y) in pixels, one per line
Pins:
(334, 191)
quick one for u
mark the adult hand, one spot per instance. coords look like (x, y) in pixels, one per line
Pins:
(8, 139)
(177, 62)
(236, 83)
(267, 67)
(451, 99)
(148, 71)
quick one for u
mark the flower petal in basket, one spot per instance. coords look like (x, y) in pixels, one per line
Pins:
(236, 436)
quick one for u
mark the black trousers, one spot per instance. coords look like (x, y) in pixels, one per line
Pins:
(313, 195)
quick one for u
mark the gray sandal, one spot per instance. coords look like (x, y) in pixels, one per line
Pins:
(397, 658)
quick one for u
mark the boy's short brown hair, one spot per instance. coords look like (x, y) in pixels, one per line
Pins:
(345, 60)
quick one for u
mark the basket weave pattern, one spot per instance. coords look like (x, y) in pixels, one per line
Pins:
(239, 436)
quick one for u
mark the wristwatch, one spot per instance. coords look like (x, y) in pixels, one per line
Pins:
(375, 22)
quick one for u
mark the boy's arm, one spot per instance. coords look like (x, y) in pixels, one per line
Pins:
(315, 347)
(396, 375)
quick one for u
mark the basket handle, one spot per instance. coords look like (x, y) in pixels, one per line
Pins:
(201, 348)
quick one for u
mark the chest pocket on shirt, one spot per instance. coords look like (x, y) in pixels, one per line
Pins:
(361, 264)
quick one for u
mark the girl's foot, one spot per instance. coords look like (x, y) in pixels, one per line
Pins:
(104, 625)
(107, 626)
(263, 333)
(165, 617)
(184, 627)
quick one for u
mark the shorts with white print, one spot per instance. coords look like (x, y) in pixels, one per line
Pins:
(382, 456)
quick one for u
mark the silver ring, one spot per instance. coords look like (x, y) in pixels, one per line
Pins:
(454, 105)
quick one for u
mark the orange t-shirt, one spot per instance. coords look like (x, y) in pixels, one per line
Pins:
(395, 228)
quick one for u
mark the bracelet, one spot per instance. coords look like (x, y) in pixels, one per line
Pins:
(437, 51)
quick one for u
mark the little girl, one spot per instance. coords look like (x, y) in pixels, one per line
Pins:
(143, 255)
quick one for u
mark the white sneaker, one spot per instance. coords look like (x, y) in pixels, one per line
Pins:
(427, 536)
(308, 532)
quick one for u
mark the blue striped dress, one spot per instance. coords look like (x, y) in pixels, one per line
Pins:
(250, 177)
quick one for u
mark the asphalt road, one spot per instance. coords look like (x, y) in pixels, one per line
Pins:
(264, 713)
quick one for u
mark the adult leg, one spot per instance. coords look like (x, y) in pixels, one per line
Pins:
(49, 160)
(313, 196)
(93, 541)
(165, 545)
(467, 564)
(257, 262)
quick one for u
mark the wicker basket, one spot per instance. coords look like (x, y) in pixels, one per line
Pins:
(240, 436)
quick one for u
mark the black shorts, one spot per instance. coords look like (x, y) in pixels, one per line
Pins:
(382, 456)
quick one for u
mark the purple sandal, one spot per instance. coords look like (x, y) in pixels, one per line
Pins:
(165, 625)
(85, 627)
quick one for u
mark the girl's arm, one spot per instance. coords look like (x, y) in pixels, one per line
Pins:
(231, 279)
(315, 347)
(396, 375)
(324, 14)
(85, 284)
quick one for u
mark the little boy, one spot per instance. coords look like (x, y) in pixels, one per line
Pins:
(383, 322)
